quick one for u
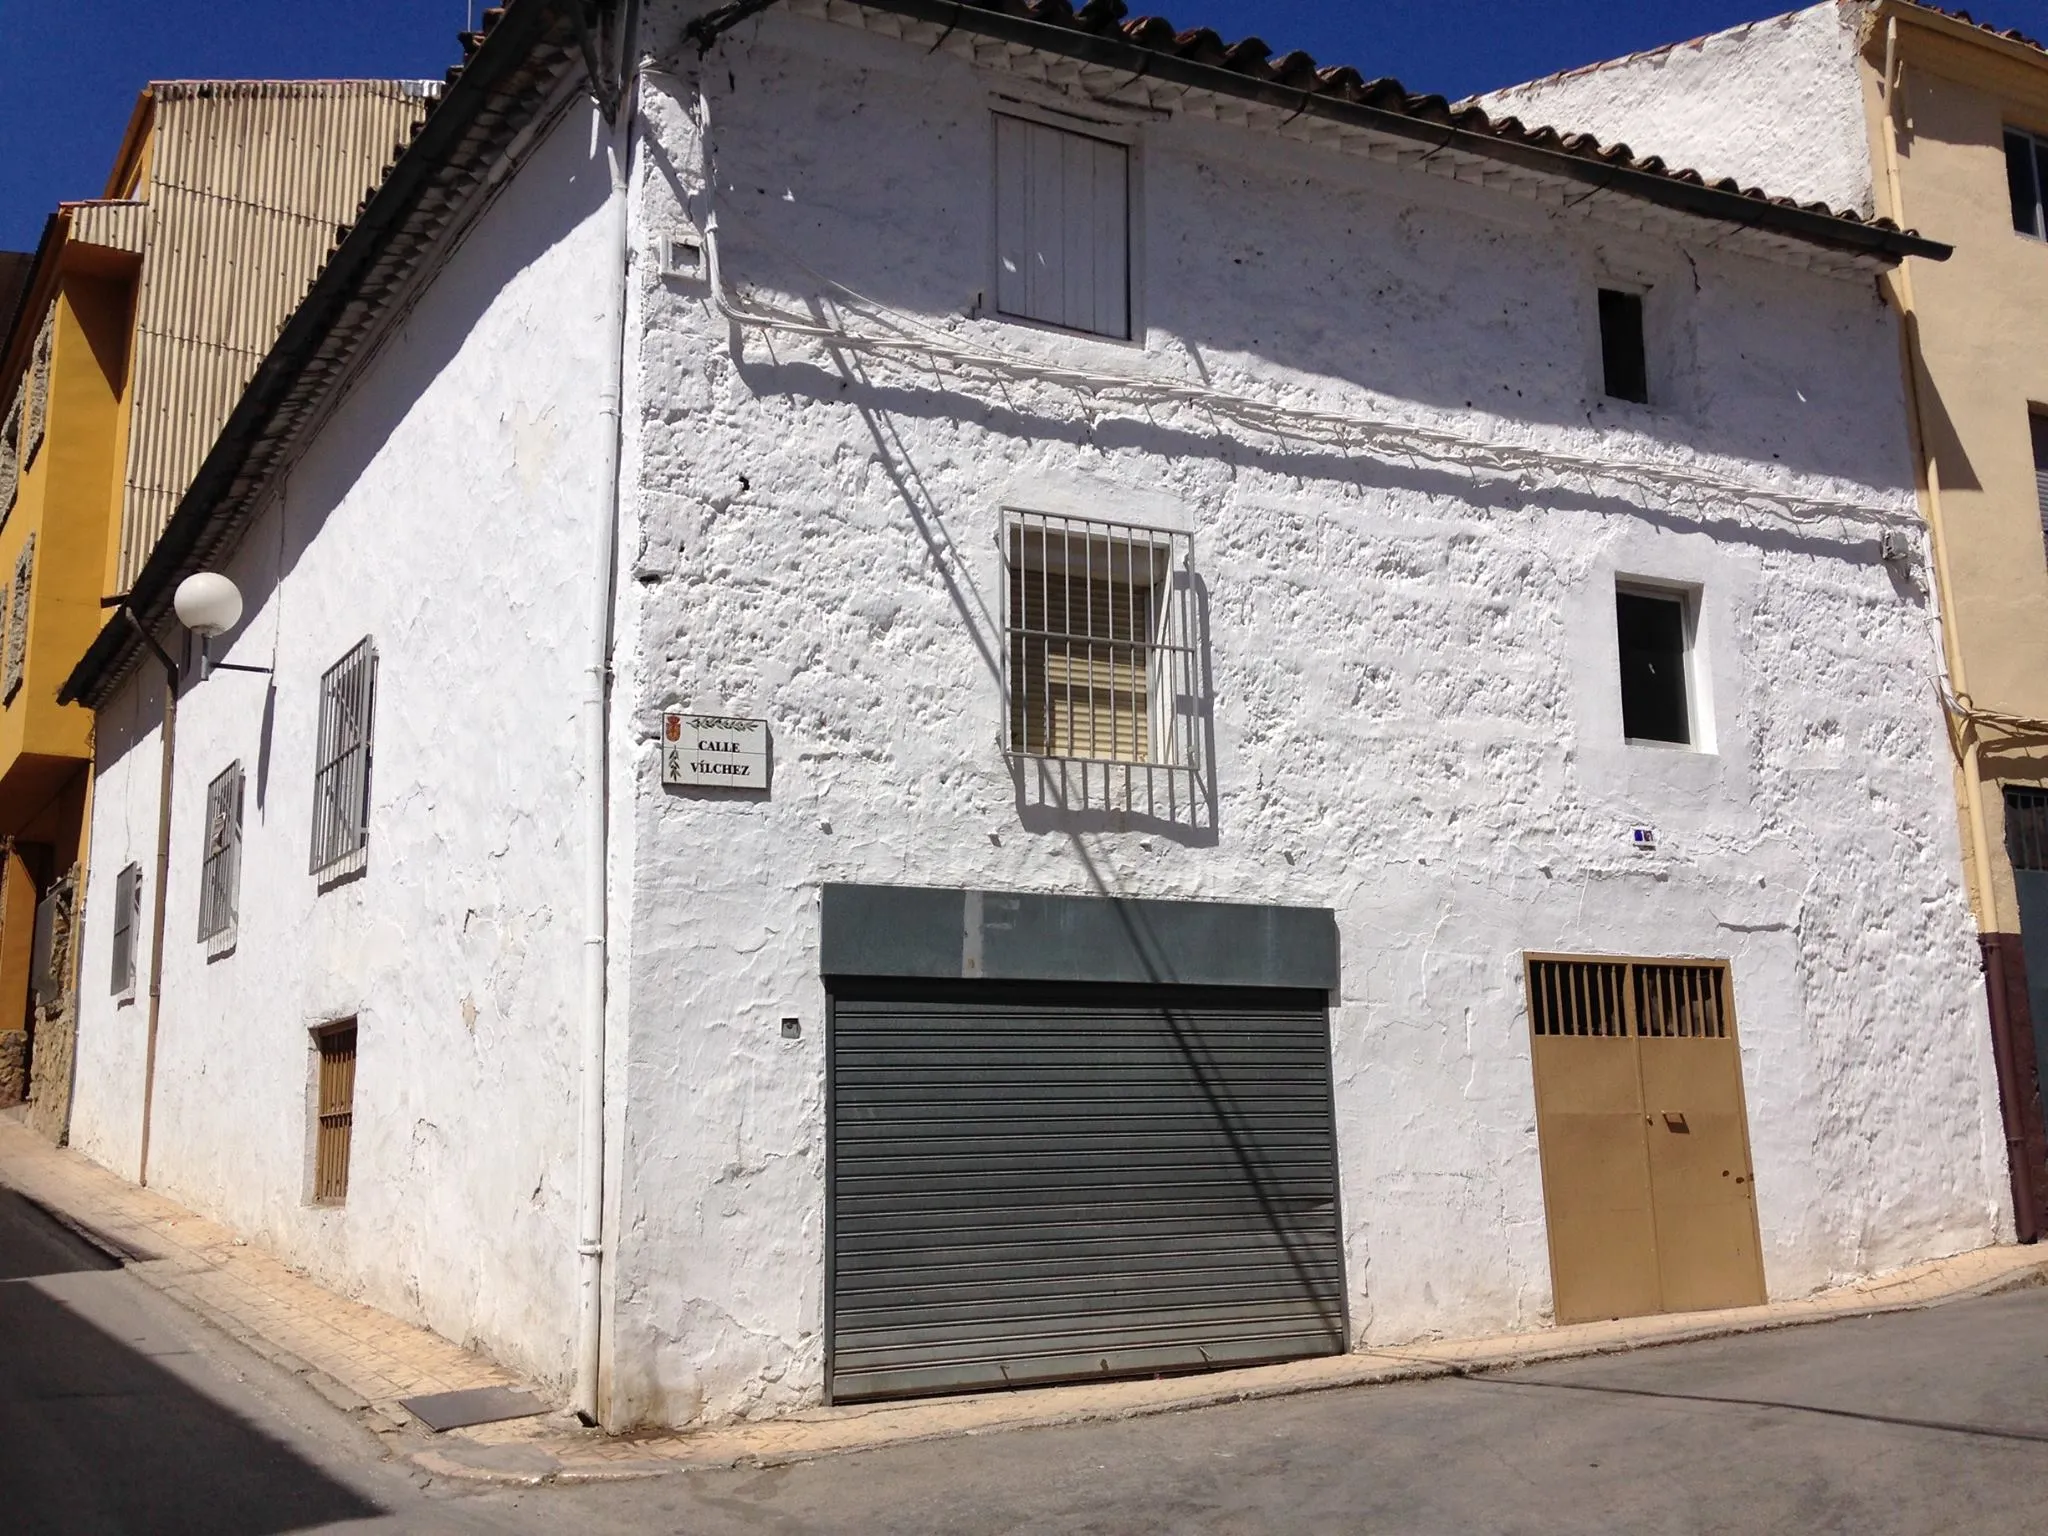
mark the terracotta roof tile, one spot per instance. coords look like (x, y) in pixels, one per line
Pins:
(1252, 58)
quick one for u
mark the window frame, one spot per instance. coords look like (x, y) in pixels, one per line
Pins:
(331, 1111)
(1688, 599)
(220, 866)
(342, 772)
(1119, 135)
(2037, 175)
(122, 967)
(1172, 732)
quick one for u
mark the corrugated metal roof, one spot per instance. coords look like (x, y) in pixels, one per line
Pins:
(246, 184)
(116, 225)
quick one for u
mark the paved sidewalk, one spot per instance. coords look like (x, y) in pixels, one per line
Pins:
(360, 1359)
(363, 1360)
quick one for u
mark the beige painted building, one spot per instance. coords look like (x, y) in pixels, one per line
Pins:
(1927, 118)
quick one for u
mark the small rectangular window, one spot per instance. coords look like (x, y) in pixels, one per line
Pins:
(127, 927)
(1624, 365)
(334, 1112)
(220, 869)
(341, 780)
(1062, 228)
(1102, 650)
(1617, 999)
(1654, 632)
(2026, 181)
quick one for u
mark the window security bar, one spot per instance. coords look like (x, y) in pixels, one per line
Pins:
(1101, 661)
(221, 867)
(341, 783)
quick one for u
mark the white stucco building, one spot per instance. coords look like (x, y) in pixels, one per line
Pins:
(1214, 614)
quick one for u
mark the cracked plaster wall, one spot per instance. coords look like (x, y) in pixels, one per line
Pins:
(1416, 712)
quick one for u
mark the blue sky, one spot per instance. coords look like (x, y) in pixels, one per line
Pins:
(71, 68)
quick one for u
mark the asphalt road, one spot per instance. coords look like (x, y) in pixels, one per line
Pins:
(119, 1413)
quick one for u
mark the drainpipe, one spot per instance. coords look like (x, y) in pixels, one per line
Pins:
(163, 876)
(596, 745)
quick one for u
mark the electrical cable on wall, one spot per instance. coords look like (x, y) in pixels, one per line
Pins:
(932, 353)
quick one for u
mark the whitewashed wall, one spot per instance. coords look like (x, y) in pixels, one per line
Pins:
(449, 509)
(1417, 712)
(1776, 104)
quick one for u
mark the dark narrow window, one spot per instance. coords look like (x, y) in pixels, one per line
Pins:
(2038, 423)
(2026, 161)
(1654, 706)
(1621, 346)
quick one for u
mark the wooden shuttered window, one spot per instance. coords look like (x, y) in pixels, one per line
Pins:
(335, 1112)
(1062, 227)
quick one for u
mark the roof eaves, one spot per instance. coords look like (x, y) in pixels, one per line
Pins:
(1200, 60)
(427, 191)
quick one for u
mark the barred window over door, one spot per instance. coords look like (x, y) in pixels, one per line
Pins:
(1101, 654)
(221, 868)
(127, 925)
(17, 620)
(1650, 999)
(341, 782)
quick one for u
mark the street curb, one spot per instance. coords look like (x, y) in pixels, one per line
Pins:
(1382, 1367)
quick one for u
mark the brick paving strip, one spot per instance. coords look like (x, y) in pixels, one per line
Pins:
(363, 1359)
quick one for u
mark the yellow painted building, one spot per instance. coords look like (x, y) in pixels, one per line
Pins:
(141, 317)
(1958, 130)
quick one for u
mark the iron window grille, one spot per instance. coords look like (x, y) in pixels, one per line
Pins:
(1619, 998)
(1063, 227)
(334, 1112)
(341, 781)
(220, 871)
(1101, 658)
(17, 620)
(127, 927)
(2026, 828)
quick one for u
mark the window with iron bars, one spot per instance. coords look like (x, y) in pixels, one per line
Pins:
(2026, 828)
(127, 927)
(1101, 654)
(1669, 999)
(17, 620)
(341, 780)
(220, 871)
(334, 1111)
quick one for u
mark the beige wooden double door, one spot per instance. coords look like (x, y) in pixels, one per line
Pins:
(1645, 1141)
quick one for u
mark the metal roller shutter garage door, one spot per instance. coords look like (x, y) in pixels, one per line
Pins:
(1036, 1182)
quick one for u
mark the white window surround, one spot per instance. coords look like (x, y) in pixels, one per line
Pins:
(1699, 728)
